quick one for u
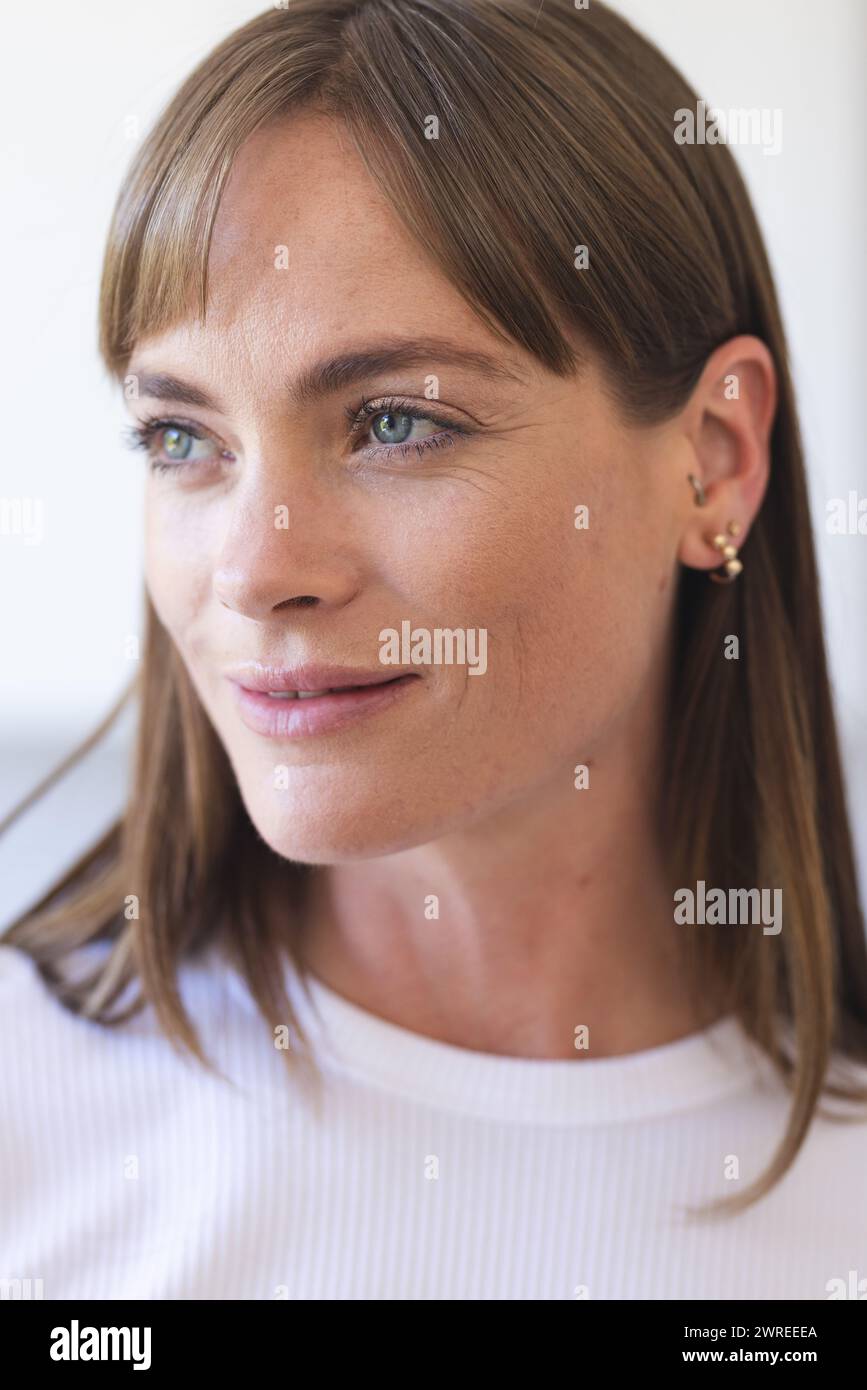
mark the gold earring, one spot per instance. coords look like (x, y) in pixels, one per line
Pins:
(700, 494)
(732, 565)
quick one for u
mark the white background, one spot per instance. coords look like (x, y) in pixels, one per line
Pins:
(78, 80)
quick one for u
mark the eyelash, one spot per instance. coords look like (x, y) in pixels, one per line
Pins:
(369, 409)
(142, 436)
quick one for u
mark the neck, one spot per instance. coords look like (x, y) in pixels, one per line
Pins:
(506, 937)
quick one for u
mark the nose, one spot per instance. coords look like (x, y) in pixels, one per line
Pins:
(280, 555)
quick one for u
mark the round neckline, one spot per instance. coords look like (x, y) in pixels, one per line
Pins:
(673, 1077)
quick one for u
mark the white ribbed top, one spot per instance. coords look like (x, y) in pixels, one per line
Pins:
(518, 1090)
(428, 1171)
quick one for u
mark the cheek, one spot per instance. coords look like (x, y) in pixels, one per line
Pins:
(574, 612)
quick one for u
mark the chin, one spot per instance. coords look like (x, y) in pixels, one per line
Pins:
(312, 830)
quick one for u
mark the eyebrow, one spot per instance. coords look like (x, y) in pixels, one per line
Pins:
(162, 387)
(333, 374)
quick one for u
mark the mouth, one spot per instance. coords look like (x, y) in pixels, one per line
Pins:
(317, 694)
(309, 701)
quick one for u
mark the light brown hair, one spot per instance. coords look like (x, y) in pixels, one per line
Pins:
(556, 128)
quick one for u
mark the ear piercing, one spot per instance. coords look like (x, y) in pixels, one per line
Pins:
(732, 565)
(700, 494)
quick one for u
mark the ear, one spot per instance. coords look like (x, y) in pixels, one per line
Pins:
(727, 423)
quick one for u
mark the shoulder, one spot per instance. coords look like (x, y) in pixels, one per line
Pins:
(15, 965)
(831, 1164)
(21, 985)
(44, 1050)
(51, 1054)
(32, 1018)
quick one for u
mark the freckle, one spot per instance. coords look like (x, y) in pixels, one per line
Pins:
(583, 881)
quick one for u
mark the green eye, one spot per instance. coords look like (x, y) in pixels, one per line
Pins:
(173, 444)
(392, 427)
(169, 444)
(397, 429)
(177, 443)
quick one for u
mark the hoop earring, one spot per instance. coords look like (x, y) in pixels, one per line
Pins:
(729, 552)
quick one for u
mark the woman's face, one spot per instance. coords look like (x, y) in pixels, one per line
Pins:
(371, 456)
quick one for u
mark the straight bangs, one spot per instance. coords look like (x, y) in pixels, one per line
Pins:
(513, 118)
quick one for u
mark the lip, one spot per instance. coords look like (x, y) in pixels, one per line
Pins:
(359, 693)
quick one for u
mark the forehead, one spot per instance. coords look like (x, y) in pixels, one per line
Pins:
(306, 247)
(309, 262)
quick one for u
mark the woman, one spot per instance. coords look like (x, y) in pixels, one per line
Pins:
(483, 921)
